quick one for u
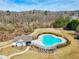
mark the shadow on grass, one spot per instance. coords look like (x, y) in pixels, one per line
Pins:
(77, 37)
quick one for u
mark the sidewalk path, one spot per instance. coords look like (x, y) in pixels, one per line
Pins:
(5, 46)
(3, 57)
(19, 52)
(5, 43)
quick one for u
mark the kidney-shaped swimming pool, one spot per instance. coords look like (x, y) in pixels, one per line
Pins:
(49, 40)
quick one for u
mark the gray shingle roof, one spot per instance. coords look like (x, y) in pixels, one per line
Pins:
(23, 37)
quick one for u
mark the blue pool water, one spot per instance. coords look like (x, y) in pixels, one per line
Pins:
(49, 40)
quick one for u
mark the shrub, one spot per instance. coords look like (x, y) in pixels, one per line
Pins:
(61, 22)
(73, 24)
(77, 29)
(77, 37)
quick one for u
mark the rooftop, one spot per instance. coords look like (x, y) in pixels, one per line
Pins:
(23, 37)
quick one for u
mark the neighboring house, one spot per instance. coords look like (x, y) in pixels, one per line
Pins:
(23, 40)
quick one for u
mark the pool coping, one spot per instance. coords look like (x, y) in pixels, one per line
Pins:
(39, 44)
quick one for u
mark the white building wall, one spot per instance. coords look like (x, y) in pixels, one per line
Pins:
(19, 44)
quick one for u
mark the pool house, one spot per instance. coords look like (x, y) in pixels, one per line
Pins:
(23, 40)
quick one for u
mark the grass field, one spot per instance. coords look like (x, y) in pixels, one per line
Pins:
(70, 51)
(10, 50)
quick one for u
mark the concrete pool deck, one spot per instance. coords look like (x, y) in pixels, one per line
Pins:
(38, 42)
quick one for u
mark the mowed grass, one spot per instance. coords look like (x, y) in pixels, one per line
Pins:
(68, 52)
(10, 50)
(62, 53)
